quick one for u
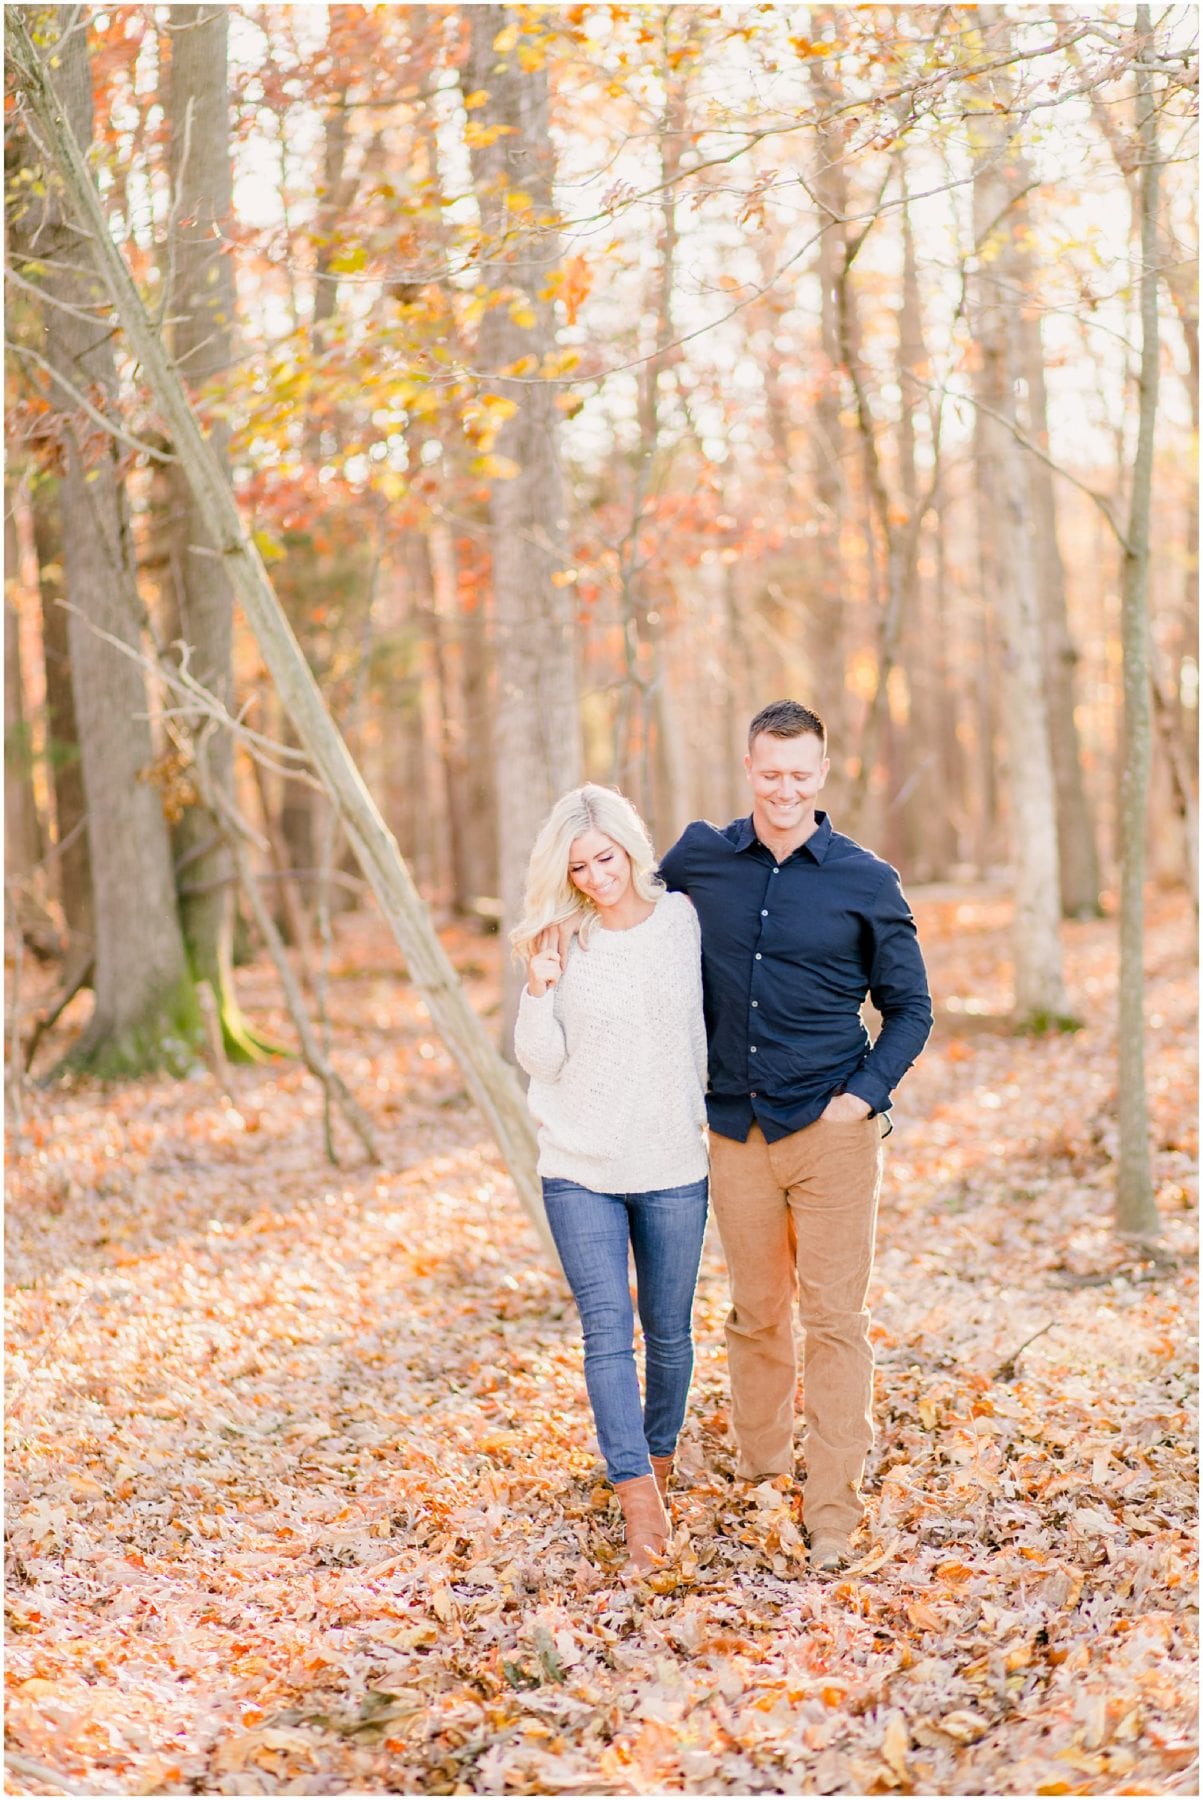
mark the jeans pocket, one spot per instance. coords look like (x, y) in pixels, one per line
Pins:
(556, 1187)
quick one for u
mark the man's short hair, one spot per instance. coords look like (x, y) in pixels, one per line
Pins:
(787, 719)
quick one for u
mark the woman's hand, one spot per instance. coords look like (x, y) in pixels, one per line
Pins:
(545, 967)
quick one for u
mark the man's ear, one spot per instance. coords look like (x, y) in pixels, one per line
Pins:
(748, 763)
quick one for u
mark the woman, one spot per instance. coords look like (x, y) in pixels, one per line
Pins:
(610, 1031)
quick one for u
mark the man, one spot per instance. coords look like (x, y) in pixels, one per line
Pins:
(798, 924)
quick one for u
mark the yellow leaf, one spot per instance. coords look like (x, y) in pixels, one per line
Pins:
(269, 548)
(517, 201)
(497, 468)
(349, 261)
(560, 362)
(479, 137)
(895, 1743)
(394, 487)
(963, 1726)
(505, 40)
(530, 58)
(477, 97)
(522, 313)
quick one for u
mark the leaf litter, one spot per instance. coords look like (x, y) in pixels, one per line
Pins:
(303, 1495)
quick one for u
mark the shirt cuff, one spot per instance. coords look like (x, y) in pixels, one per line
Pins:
(868, 1088)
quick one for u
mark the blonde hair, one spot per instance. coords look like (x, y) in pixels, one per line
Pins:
(551, 897)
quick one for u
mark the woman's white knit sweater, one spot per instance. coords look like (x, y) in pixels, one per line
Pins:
(616, 1052)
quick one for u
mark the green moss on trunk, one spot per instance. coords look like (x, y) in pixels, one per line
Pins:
(167, 1036)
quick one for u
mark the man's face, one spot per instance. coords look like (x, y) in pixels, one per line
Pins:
(785, 775)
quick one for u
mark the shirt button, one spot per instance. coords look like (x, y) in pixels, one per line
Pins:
(758, 956)
(753, 1095)
(764, 912)
(752, 1048)
(776, 871)
(755, 1003)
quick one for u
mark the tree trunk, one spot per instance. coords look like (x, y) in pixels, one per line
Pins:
(492, 1084)
(200, 305)
(951, 771)
(1003, 493)
(22, 832)
(439, 707)
(471, 770)
(145, 1015)
(918, 816)
(829, 635)
(1180, 273)
(537, 740)
(1135, 1204)
(72, 865)
(1076, 841)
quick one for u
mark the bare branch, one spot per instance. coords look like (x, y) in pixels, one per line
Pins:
(82, 401)
(1021, 436)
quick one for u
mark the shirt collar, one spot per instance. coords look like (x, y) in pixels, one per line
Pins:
(816, 845)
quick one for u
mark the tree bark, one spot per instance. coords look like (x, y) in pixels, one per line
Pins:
(491, 1083)
(919, 816)
(72, 866)
(22, 830)
(200, 305)
(145, 1013)
(1040, 998)
(1076, 841)
(537, 737)
(471, 772)
(1135, 1204)
(1180, 273)
(829, 635)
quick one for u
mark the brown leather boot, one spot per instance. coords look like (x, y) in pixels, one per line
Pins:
(662, 1468)
(645, 1520)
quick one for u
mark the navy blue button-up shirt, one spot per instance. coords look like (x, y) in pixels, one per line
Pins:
(789, 952)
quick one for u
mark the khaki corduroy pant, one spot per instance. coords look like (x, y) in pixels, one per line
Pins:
(797, 1220)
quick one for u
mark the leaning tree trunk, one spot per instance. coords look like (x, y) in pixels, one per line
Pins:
(537, 735)
(1135, 1205)
(1040, 997)
(491, 1082)
(200, 304)
(145, 1013)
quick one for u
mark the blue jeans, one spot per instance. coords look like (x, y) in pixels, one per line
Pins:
(593, 1234)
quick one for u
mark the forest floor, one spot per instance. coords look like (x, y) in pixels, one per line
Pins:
(303, 1496)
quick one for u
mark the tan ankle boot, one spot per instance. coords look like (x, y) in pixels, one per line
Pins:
(662, 1468)
(645, 1520)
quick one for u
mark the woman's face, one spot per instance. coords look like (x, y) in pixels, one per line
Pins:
(600, 868)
